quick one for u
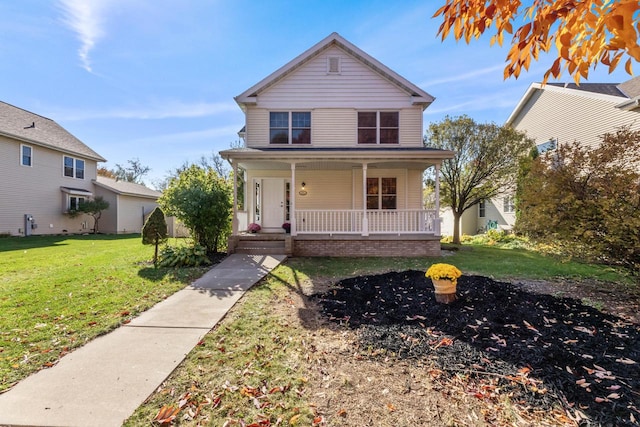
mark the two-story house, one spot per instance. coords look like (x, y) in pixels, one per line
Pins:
(45, 172)
(552, 114)
(334, 148)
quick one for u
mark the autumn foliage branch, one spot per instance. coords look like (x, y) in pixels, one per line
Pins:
(584, 33)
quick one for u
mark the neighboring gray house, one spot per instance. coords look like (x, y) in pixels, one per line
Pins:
(45, 171)
(129, 205)
(558, 113)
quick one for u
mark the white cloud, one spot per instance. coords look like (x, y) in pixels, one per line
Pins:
(465, 76)
(191, 136)
(86, 19)
(160, 109)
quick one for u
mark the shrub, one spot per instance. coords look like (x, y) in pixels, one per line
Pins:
(184, 256)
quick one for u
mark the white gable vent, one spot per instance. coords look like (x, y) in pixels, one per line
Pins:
(333, 65)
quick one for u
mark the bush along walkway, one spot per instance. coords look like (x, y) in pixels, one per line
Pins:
(103, 382)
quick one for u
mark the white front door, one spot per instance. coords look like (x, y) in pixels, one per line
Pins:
(273, 203)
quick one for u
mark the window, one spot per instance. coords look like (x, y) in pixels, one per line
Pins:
(26, 155)
(73, 168)
(482, 209)
(378, 127)
(381, 193)
(508, 204)
(550, 145)
(75, 202)
(292, 127)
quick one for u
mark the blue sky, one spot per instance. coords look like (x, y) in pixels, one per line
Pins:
(155, 79)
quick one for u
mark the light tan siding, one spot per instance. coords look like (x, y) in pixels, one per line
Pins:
(310, 86)
(257, 130)
(109, 220)
(36, 190)
(411, 132)
(325, 189)
(131, 213)
(570, 117)
(334, 127)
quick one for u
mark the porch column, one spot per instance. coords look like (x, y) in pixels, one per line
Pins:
(234, 220)
(365, 220)
(436, 221)
(292, 201)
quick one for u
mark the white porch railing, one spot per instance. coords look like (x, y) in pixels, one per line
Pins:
(400, 221)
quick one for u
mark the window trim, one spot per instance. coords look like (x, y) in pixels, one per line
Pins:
(378, 127)
(75, 169)
(22, 147)
(380, 194)
(290, 128)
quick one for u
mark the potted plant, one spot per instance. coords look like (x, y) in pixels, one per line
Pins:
(253, 228)
(287, 227)
(445, 280)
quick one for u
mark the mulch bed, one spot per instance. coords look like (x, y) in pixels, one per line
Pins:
(539, 350)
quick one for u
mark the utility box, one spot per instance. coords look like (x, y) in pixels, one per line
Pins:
(29, 224)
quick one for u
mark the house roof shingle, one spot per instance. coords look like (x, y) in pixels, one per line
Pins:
(35, 129)
(602, 88)
(126, 188)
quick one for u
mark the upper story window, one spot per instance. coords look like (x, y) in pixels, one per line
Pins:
(73, 168)
(549, 145)
(509, 204)
(378, 127)
(290, 127)
(26, 155)
(381, 193)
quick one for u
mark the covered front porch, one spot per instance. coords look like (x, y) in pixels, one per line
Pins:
(337, 202)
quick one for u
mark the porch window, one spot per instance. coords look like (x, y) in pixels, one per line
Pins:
(378, 127)
(290, 127)
(73, 168)
(26, 155)
(381, 193)
(509, 204)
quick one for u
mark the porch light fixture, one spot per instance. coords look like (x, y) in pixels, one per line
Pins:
(303, 192)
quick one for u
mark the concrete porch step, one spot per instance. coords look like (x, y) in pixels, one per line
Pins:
(261, 245)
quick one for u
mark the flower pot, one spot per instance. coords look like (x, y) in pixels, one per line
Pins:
(445, 290)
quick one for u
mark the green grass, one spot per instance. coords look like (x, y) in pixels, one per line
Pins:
(58, 292)
(491, 261)
(258, 347)
(250, 368)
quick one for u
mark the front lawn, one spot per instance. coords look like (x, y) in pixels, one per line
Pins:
(277, 359)
(58, 292)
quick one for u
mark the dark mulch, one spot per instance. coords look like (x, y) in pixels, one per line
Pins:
(539, 350)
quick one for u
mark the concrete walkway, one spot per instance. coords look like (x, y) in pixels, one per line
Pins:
(103, 382)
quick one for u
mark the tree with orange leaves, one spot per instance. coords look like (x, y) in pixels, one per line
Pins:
(584, 33)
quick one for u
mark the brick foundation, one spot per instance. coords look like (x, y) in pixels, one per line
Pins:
(367, 247)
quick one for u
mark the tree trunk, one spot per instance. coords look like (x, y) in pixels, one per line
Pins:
(456, 228)
(155, 255)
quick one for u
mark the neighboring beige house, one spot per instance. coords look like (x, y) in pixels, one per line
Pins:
(45, 172)
(129, 205)
(558, 113)
(334, 148)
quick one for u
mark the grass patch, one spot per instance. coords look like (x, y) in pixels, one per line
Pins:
(249, 369)
(255, 365)
(58, 292)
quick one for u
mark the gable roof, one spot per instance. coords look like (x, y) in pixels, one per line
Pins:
(34, 129)
(613, 92)
(334, 39)
(126, 188)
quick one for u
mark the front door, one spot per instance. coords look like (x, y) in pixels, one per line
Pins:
(273, 190)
